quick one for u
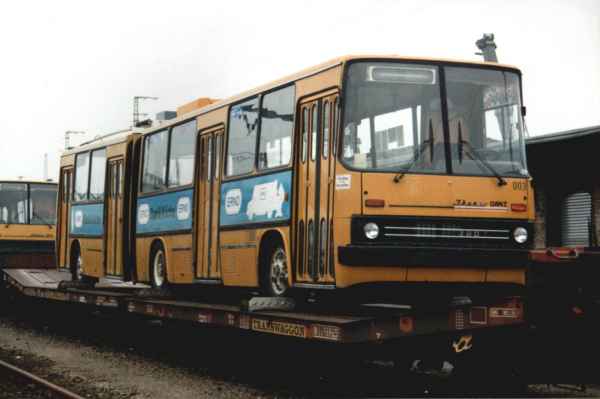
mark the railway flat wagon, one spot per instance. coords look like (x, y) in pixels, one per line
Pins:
(372, 328)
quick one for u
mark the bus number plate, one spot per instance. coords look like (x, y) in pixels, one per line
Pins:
(279, 328)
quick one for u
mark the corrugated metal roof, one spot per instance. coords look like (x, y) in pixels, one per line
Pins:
(562, 136)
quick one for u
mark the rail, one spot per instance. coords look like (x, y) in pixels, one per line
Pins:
(60, 391)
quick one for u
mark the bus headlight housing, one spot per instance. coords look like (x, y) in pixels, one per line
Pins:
(520, 235)
(371, 231)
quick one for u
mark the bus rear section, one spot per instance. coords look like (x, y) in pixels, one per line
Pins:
(165, 207)
(95, 222)
(28, 216)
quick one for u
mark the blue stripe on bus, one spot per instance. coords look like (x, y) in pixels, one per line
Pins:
(165, 212)
(87, 219)
(256, 199)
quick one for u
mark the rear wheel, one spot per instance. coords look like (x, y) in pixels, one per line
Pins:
(76, 264)
(158, 267)
(275, 279)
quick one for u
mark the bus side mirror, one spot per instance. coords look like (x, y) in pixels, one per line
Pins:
(523, 110)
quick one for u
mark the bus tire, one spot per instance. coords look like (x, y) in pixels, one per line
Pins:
(158, 267)
(275, 281)
(75, 263)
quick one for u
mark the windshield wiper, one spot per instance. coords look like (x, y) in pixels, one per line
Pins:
(421, 150)
(476, 157)
(35, 215)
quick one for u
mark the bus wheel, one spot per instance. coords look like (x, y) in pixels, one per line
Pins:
(276, 281)
(76, 265)
(158, 269)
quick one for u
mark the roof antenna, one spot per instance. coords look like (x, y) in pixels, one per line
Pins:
(487, 45)
(137, 114)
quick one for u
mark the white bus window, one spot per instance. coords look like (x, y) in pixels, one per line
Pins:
(82, 164)
(314, 130)
(182, 154)
(98, 175)
(276, 128)
(326, 116)
(241, 145)
(155, 162)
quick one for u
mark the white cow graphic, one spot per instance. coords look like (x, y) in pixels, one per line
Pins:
(267, 199)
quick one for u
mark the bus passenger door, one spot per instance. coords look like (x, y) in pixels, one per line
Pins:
(207, 265)
(114, 219)
(65, 210)
(314, 182)
(325, 264)
(215, 264)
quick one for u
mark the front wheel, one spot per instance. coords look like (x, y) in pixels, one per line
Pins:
(158, 272)
(276, 279)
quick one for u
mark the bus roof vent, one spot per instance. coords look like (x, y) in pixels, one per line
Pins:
(165, 116)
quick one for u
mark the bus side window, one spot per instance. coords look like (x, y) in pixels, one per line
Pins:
(120, 181)
(315, 126)
(335, 125)
(65, 187)
(113, 177)
(326, 113)
(97, 175)
(81, 176)
(182, 154)
(218, 148)
(209, 161)
(304, 133)
(154, 164)
(276, 128)
(241, 138)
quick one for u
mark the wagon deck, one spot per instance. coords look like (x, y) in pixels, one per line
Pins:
(376, 323)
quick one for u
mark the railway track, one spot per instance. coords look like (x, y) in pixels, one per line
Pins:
(53, 389)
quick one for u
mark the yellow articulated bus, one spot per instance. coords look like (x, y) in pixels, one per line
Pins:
(27, 224)
(359, 171)
(94, 208)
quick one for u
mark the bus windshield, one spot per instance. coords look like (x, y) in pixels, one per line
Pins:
(20, 204)
(393, 120)
(13, 203)
(43, 204)
(484, 118)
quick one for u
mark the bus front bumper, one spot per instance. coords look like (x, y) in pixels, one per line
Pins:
(428, 256)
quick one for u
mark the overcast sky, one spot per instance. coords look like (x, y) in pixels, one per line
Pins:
(70, 65)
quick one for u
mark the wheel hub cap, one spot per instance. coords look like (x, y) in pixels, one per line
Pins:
(279, 274)
(159, 269)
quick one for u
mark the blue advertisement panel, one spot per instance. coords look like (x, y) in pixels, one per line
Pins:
(256, 199)
(165, 212)
(87, 219)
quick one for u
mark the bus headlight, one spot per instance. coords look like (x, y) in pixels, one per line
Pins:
(520, 235)
(371, 231)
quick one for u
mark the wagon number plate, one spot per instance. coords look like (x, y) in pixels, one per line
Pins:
(279, 328)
